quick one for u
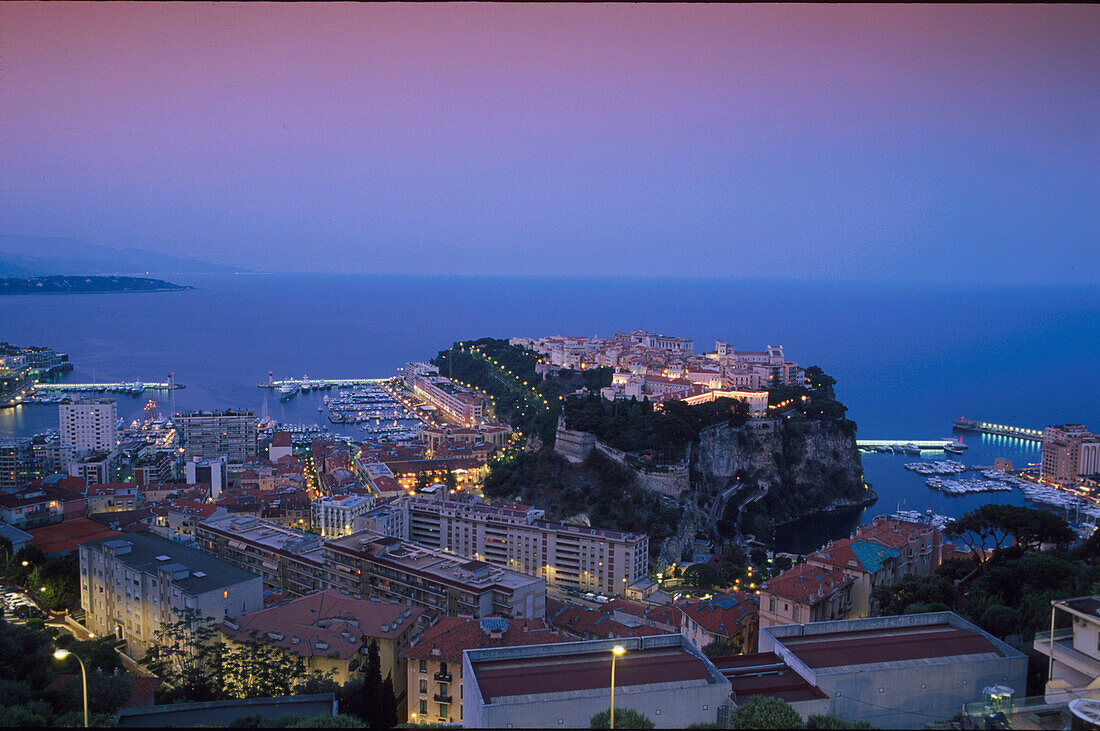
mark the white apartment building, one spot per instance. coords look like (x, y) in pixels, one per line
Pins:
(335, 516)
(211, 434)
(90, 425)
(132, 584)
(1073, 653)
(517, 537)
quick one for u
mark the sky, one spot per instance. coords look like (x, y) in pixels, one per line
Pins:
(926, 143)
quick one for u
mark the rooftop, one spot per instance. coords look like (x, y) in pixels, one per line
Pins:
(288, 541)
(765, 674)
(805, 583)
(148, 553)
(446, 639)
(889, 645)
(326, 623)
(581, 666)
(65, 537)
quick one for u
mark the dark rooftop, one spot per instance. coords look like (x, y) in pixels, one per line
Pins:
(500, 679)
(764, 673)
(896, 644)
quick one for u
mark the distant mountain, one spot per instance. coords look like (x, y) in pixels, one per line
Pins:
(23, 256)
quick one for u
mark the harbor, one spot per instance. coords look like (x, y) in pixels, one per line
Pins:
(1002, 430)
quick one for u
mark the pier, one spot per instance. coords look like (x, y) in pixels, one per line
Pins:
(931, 444)
(136, 386)
(316, 383)
(984, 427)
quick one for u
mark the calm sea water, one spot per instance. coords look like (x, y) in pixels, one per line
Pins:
(909, 358)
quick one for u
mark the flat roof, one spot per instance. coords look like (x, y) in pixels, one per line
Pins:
(569, 673)
(765, 673)
(143, 557)
(893, 644)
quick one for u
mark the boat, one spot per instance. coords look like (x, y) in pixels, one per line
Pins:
(952, 449)
(911, 449)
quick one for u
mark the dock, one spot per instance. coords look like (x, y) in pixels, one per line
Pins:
(1001, 430)
(930, 444)
(132, 387)
(322, 383)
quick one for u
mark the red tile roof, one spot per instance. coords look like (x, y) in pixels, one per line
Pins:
(806, 584)
(724, 616)
(296, 625)
(445, 640)
(65, 537)
(281, 439)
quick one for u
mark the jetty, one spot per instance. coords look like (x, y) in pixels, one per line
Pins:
(132, 387)
(1002, 430)
(323, 383)
(929, 444)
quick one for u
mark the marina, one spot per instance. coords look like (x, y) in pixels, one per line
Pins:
(984, 427)
(134, 388)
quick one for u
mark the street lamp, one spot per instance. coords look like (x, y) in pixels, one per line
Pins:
(61, 654)
(615, 652)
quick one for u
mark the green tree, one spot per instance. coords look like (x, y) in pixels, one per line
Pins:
(992, 524)
(185, 653)
(702, 576)
(624, 718)
(765, 712)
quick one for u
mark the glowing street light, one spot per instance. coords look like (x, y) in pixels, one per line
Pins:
(615, 652)
(61, 654)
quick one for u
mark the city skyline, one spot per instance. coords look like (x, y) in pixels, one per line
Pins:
(889, 143)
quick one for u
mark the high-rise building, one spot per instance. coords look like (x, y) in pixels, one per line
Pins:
(90, 425)
(1070, 451)
(211, 434)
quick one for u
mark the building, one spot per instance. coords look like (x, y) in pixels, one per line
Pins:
(372, 565)
(434, 660)
(765, 674)
(212, 434)
(335, 516)
(389, 520)
(805, 593)
(564, 685)
(95, 467)
(1073, 652)
(213, 472)
(133, 584)
(657, 341)
(288, 561)
(1070, 452)
(461, 404)
(333, 633)
(281, 446)
(867, 562)
(114, 497)
(517, 537)
(732, 620)
(906, 671)
(89, 425)
(39, 505)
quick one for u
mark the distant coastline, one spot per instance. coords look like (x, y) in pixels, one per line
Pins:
(85, 285)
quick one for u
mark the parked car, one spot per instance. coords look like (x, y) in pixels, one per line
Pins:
(590, 596)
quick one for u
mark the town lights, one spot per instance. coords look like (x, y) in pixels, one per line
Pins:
(616, 651)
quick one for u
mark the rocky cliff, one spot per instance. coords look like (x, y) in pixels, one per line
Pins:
(771, 471)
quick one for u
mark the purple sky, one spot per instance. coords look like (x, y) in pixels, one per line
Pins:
(955, 143)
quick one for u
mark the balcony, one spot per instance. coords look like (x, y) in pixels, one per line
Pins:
(1065, 653)
(440, 698)
(442, 677)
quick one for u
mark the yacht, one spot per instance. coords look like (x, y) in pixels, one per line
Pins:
(952, 449)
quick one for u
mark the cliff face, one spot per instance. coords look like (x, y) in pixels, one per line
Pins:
(791, 468)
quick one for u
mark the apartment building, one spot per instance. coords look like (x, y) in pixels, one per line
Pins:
(89, 425)
(333, 633)
(805, 593)
(39, 505)
(517, 537)
(389, 520)
(434, 660)
(461, 404)
(133, 584)
(211, 434)
(732, 619)
(372, 565)
(288, 561)
(1070, 451)
(335, 516)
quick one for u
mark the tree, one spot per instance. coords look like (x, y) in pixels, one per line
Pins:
(909, 591)
(765, 712)
(1028, 528)
(624, 718)
(701, 576)
(257, 670)
(185, 654)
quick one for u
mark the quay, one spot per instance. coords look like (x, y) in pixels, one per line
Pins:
(326, 382)
(931, 444)
(136, 386)
(984, 427)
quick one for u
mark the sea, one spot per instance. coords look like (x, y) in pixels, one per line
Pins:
(908, 358)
